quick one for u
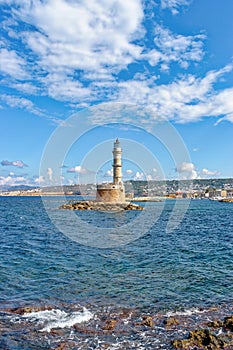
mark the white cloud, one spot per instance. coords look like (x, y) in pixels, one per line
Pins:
(84, 40)
(11, 64)
(63, 88)
(39, 180)
(21, 102)
(27, 87)
(109, 173)
(77, 50)
(139, 176)
(12, 180)
(84, 34)
(206, 173)
(184, 100)
(24, 103)
(129, 171)
(50, 174)
(79, 169)
(16, 163)
(187, 170)
(177, 48)
(174, 5)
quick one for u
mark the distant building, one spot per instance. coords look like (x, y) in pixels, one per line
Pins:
(113, 192)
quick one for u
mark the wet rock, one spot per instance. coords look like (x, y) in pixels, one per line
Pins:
(66, 346)
(125, 313)
(59, 332)
(86, 330)
(228, 323)
(62, 346)
(171, 321)
(215, 324)
(200, 339)
(147, 321)
(28, 309)
(110, 325)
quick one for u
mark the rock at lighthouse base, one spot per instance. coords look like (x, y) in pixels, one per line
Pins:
(101, 206)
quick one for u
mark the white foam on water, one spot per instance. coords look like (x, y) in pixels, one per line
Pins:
(188, 312)
(56, 318)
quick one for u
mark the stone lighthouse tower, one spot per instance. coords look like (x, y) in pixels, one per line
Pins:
(117, 165)
(113, 192)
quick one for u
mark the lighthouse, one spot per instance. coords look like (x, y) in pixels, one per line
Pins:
(113, 192)
(117, 164)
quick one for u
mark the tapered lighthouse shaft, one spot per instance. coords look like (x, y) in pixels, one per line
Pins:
(117, 164)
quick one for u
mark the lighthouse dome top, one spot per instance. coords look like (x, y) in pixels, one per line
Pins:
(117, 144)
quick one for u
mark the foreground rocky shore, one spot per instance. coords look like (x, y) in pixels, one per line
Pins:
(101, 206)
(218, 334)
(193, 329)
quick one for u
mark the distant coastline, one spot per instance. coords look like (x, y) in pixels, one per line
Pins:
(142, 191)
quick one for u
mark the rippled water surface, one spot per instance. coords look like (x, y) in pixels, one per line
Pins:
(187, 269)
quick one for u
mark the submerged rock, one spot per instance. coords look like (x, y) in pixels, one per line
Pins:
(101, 206)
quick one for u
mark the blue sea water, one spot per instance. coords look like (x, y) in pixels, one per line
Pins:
(187, 269)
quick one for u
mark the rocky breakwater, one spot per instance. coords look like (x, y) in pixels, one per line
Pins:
(226, 200)
(101, 206)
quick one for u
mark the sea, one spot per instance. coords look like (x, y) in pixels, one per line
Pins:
(58, 293)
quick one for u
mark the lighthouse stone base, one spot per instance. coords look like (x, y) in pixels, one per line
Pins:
(110, 193)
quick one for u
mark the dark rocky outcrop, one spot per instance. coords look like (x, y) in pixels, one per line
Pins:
(110, 325)
(170, 322)
(101, 206)
(228, 323)
(208, 339)
(27, 309)
(200, 339)
(147, 321)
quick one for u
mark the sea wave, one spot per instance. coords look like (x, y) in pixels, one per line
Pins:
(186, 312)
(55, 318)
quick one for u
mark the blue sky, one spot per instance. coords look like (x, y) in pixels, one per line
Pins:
(172, 58)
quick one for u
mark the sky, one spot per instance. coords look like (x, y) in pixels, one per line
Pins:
(136, 63)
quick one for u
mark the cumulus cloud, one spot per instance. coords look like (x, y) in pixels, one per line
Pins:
(129, 171)
(64, 42)
(12, 180)
(187, 170)
(79, 169)
(39, 180)
(207, 173)
(16, 163)
(79, 49)
(185, 100)
(139, 176)
(50, 174)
